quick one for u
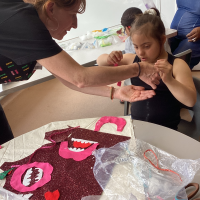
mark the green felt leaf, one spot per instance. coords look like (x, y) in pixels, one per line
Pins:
(4, 174)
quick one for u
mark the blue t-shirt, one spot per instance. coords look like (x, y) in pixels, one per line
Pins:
(187, 17)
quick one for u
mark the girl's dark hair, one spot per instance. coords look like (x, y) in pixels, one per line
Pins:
(149, 24)
(129, 16)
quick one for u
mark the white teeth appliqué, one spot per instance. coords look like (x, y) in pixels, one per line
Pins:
(27, 180)
(75, 149)
(83, 141)
(39, 176)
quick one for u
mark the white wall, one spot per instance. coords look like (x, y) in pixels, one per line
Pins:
(106, 13)
(168, 9)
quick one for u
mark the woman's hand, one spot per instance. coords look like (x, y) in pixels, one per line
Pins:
(114, 57)
(194, 35)
(149, 74)
(165, 70)
(133, 93)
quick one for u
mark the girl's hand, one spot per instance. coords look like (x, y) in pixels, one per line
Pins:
(133, 93)
(149, 74)
(165, 70)
(114, 57)
(194, 35)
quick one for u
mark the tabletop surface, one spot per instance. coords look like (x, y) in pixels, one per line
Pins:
(166, 139)
(83, 57)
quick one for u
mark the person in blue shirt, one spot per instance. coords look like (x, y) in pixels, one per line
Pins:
(127, 19)
(187, 22)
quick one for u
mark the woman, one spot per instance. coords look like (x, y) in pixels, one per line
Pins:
(187, 22)
(26, 39)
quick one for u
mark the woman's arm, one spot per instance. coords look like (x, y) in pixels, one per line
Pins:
(145, 74)
(127, 93)
(69, 70)
(181, 85)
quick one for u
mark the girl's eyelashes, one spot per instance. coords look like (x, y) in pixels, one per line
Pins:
(146, 47)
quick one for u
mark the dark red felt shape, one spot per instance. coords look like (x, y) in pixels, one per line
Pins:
(52, 195)
(73, 179)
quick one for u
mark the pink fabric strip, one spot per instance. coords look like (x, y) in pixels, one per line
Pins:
(120, 122)
(15, 181)
(77, 156)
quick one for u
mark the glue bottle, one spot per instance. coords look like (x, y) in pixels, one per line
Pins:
(149, 4)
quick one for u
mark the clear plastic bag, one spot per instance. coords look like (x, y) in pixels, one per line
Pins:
(87, 45)
(120, 170)
(107, 41)
(110, 197)
(7, 195)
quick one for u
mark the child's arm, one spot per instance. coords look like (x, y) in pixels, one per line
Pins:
(115, 57)
(181, 85)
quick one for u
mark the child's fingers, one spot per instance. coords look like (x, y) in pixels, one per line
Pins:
(118, 55)
(160, 64)
(162, 67)
(163, 70)
(113, 59)
(110, 61)
(161, 61)
(156, 82)
(161, 73)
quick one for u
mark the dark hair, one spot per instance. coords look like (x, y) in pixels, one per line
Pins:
(157, 11)
(129, 16)
(40, 4)
(149, 24)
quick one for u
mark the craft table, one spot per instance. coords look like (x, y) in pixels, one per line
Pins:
(83, 57)
(164, 138)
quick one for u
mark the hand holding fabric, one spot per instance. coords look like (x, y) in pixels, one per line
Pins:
(165, 70)
(149, 74)
(194, 35)
(133, 93)
(114, 57)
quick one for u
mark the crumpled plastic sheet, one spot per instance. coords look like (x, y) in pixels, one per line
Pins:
(7, 195)
(122, 170)
(111, 197)
(113, 39)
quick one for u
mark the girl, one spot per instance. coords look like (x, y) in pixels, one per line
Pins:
(176, 87)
